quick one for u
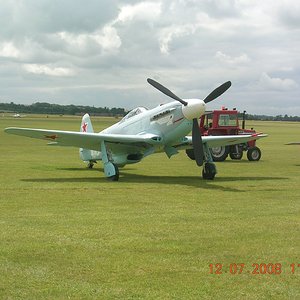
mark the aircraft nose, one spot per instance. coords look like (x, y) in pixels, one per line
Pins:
(194, 109)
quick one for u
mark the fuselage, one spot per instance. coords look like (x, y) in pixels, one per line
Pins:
(166, 121)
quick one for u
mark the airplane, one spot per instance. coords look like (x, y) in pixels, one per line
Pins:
(143, 132)
(18, 115)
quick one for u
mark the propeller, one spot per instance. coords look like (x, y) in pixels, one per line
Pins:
(218, 92)
(197, 143)
(166, 91)
(196, 134)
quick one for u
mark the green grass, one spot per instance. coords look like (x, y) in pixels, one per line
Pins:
(67, 232)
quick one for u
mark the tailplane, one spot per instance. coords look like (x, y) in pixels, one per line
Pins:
(87, 155)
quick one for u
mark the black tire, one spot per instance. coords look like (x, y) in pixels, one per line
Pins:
(236, 152)
(209, 171)
(254, 154)
(190, 153)
(219, 153)
(116, 176)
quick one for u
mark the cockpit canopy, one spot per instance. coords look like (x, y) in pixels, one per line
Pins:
(134, 112)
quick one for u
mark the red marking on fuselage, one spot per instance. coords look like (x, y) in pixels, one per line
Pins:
(52, 137)
(178, 120)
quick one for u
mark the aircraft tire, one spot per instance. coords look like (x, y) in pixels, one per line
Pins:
(116, 176)
(209, 171)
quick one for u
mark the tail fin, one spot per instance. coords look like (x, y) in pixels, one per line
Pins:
(86, 124)
(88, 155)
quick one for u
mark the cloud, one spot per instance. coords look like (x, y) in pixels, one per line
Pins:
(168, 34)
(242, 59)
(106, 39)
(143, 11)
(274, 83)
(190, 46)
(8, 49)
(48, 70)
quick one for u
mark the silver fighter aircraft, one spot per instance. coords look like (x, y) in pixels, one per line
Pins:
(143, 132)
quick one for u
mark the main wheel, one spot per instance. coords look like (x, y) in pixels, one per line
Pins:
(236, 152)
(254, 154)
(116, 176)
(219, 153)
(190, 153)
(209, 171)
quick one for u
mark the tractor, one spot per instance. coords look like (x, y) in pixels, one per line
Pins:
(226, 122)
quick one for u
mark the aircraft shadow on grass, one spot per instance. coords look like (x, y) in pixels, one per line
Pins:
(192, 181)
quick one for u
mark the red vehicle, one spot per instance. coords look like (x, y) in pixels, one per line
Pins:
(226, 122)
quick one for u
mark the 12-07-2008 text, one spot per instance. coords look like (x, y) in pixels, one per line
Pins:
(255, 269)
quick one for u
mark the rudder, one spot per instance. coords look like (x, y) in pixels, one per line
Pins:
(88, 155)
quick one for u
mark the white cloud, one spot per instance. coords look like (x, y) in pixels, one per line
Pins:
(274, 83)
(48, 70)
(242, 59)
(190, 45)
(107, 38)
(168, 34)
(143, 11)
(8, 49)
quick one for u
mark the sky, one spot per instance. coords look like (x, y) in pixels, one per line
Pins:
(100, 52)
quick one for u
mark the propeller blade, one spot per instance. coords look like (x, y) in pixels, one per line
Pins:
(197, 143)
(218, 92)
(165, 91)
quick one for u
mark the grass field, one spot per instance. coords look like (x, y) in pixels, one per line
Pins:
(67, 232)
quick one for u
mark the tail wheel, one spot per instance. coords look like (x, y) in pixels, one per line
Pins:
(219, 153)
(90, 165)
(254, 154)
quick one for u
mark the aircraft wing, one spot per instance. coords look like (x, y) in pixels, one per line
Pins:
(82, 139)
(294, 143)
(221, 140)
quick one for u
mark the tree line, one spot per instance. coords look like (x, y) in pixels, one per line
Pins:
(272, 118)
(57, 109)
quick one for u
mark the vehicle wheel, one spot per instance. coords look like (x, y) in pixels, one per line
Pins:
(254, 154)
(116, 176)
(219, 153)
(190, 153)
(236, 152)
(209, 171)
(90, 165)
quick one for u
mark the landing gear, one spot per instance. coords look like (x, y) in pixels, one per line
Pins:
(91, 164)
(111, 171)
(209, 171)
(116, 176)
